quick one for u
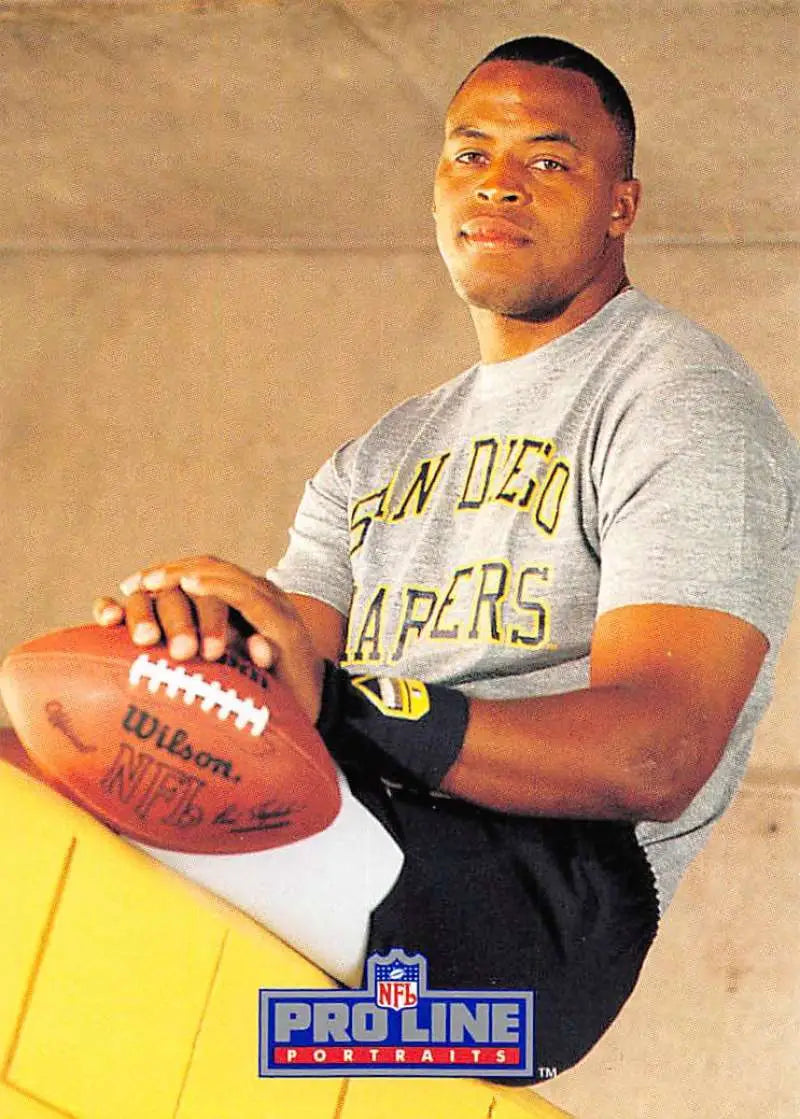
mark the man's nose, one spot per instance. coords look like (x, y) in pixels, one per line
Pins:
(491, 192)
(503, 185)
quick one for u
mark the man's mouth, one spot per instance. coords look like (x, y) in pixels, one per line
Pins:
(498, 233)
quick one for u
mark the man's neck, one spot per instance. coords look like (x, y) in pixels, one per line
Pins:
(502, 338)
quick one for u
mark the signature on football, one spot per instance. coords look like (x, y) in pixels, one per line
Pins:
(267, 816)
(58, 718)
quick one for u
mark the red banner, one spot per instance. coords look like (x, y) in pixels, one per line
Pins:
(394, 1055)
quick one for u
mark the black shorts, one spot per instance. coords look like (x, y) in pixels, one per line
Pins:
(566, 908)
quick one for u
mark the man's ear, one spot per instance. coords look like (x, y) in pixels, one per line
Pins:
(627, 194)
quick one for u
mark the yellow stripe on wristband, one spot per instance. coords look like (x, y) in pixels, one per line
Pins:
(396, 697)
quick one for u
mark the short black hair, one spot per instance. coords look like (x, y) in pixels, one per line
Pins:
(558, 53)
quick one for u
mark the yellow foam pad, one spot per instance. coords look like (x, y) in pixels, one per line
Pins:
(127, 992)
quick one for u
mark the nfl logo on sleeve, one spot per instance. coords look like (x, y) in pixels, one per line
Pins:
(396, 1026)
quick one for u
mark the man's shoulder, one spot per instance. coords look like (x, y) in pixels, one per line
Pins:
(668, 338)
(673, 382)
(660, 349)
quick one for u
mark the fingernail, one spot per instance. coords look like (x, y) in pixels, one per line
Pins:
(131, 584)
(145, 633)
(260, 651)
(182, 647)
(190, 583)
(109, 615)
(213, 648)
(153, 580)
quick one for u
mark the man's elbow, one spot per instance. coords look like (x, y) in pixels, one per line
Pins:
(665, 779)
(660, 805)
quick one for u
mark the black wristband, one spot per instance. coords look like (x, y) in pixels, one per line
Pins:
(401, 729)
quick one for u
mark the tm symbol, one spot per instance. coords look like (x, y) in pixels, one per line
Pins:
(547, 1072)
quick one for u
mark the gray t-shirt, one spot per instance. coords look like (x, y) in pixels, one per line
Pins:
(474, 534)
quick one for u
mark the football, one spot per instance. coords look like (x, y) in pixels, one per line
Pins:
(186, 755)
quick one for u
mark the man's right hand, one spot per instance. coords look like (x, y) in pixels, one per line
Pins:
(202, 604)
(188, 627)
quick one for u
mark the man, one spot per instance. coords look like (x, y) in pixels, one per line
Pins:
(586, 546)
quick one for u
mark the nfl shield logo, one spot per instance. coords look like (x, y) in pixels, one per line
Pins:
(396, 985)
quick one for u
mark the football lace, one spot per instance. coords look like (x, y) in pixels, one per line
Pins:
(193, 686)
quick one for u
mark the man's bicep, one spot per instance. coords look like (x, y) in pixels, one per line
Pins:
(697, 503)
(697, 667)
(325, 624)
(316, 565)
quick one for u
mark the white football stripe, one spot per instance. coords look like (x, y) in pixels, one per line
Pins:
(159, 674)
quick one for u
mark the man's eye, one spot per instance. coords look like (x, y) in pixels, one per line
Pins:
(543, 163)
(470, 157)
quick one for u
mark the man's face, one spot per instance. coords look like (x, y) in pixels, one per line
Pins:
(528, 199)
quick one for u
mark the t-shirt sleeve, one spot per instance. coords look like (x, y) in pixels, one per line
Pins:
(697, 492)
(317, 560)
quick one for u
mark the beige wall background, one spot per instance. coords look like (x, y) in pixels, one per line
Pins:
(217, 263)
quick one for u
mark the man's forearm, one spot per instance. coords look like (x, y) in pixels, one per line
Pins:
(612, 752)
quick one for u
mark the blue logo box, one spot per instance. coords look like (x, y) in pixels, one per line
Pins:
(396, 1026)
